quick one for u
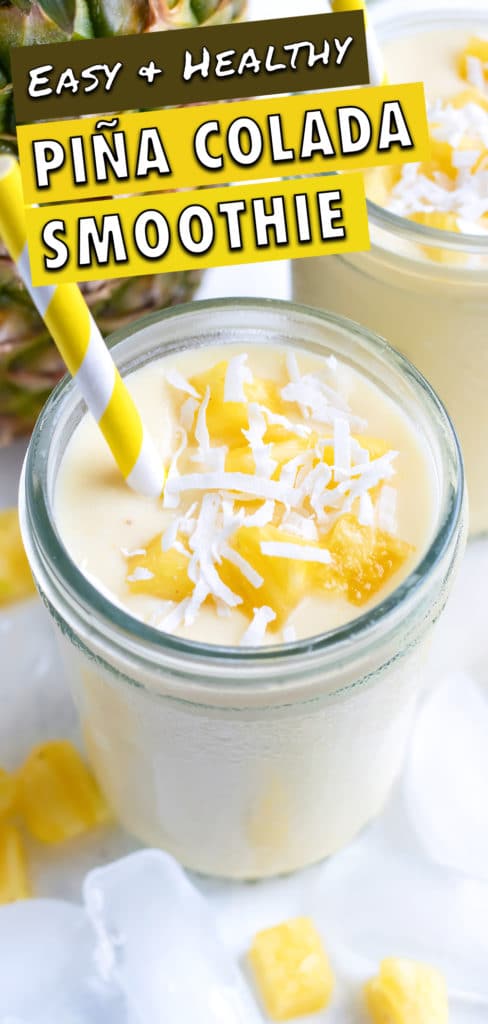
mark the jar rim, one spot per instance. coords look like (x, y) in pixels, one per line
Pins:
(388, 16)
(61, 582)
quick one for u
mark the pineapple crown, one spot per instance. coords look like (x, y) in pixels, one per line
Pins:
(23, 22)
(61, 12)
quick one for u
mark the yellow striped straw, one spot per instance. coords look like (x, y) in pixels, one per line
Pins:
(82, 348)
(377, 69)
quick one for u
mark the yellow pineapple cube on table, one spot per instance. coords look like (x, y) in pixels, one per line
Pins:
(291, 969)
(14, 880)
(16, 580)
(406, 992)
(58, 796)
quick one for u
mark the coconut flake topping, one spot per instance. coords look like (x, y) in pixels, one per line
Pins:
(328, 473)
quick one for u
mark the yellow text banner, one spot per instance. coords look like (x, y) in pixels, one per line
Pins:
(306, 134)
(205, 228)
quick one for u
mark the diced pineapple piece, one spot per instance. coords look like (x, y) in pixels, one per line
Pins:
(16, 580)
(8, 792)
(292, 970)
(461, 99)
(476, 50)
(290, 447)
(406, 992)
(58, 796)
(364, 559)
(240, 460)
(227, 420)
(376, 446)
(286, 581)
(14, 880)
(169, 580)
(440, 161)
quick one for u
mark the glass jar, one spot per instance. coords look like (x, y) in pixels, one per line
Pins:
(434, 310)
(245, 763)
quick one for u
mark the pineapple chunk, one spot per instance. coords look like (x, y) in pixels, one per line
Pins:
(292, 970)
(169, 580)
(406, 992)
(240, 460)
(227, 420)
(477, 49)
(14, 881)
(440, 161)
(286, 581)
(8, 792)
(364, 559)
(16, 581)
(58, 796)
(374, 445)
(471, 95)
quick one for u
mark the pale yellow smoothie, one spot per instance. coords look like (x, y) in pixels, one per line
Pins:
(424, 284)
(247, 652)
(297, 497)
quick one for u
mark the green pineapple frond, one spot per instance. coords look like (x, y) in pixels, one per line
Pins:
(61, 12)
(189, 13)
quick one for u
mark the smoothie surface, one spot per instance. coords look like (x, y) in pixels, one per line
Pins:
(297, 496)
(449, 191)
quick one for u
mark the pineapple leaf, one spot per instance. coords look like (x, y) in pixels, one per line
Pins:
(23, 5)
(61, 12)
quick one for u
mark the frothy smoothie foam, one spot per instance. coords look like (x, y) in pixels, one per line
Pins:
(297, 496)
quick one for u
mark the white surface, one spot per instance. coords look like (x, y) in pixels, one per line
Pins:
(381, 896)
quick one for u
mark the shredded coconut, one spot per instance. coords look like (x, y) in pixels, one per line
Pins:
(238, 374)
(387, 510)
(366, 510)
(342, 449)
(242, 483)
(140, 574)
(303, 497)
(256, 632)
(177, 381)
(244, 567)
(465, 197)
(297, 552)
(265, 464)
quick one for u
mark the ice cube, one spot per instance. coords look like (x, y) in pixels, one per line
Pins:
(158, 941)
(47, 970)
(446, 779)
